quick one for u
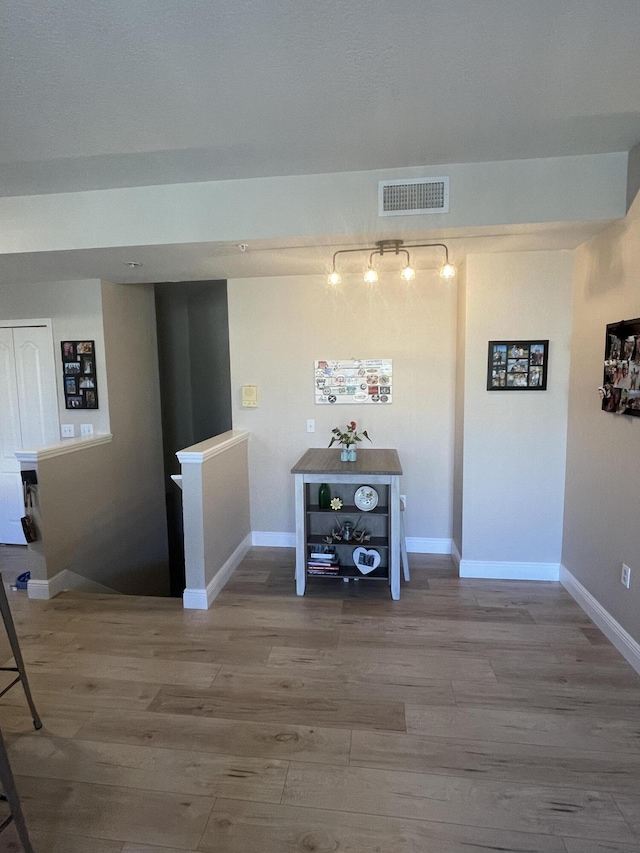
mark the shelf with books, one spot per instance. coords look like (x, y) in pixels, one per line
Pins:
(352, 573)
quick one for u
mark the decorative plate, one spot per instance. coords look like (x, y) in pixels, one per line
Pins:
(366, 498)
(366, 560)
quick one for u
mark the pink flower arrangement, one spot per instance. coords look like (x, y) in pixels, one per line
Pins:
(349, 436)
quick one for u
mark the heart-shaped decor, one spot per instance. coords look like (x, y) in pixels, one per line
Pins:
(366, 559)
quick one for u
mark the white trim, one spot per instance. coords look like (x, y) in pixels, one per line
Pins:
(420, 545)
(202, 599)
(457, 559)
(177, 479)
(509, 571)
(621, 639)
(265, 538)
(22, 324)
(63, 581)
(195, 599)
(44, 590)
(212, 446)
(68, 446)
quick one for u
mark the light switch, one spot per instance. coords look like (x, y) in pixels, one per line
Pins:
(67, 430)
(249, 396)
(86, 430)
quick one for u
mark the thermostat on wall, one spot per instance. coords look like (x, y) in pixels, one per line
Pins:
(249, 396)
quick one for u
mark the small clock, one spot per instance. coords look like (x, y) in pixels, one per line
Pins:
(366, 498)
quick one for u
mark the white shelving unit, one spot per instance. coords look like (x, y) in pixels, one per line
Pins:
(378, 468)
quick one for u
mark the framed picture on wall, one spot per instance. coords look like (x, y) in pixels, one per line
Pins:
(517, 365)
(79, 374)
(620, 389)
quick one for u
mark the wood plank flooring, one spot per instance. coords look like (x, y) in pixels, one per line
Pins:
(468, 716)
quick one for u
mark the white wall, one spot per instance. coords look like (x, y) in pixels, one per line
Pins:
(458, 458)
(75, 309)
(552, 189)
(602, 519)
(102, 508)
(137, 561)
(514, 442)
(215, 502)
(280, 326)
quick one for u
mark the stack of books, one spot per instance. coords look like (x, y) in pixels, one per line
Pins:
(323, 562)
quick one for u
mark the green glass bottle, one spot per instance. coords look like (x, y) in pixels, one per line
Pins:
(324, 496)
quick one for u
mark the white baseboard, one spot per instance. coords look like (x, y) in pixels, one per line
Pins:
(202, 599)
(62, 582)
(420, 545)
(509, 571)
(613, 630)
(44, 590)
(273, 540)
(457, 559)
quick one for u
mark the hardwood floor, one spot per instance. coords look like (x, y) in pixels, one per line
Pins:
(468, 716)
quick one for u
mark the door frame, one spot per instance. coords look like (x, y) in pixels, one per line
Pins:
(39, 321)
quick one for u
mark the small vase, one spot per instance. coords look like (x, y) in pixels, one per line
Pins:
(324, 496)
(352, 454)
(344, 454)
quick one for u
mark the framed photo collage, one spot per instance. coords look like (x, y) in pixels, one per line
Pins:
(517, 365)
(620, 389)
(79, 374)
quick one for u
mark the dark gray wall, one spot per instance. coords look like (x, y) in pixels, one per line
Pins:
(195, 384)
(193, 354)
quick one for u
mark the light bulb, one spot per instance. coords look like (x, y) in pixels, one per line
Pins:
(408, 273)
(371, 276)
(334, 278)
(447, 270)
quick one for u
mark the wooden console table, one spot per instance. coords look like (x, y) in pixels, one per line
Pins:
(378, 468)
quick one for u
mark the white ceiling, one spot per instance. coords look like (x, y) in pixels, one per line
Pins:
(114, 93)
(106, 93)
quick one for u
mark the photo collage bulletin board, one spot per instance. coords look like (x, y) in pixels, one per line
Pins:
(620, 390)
(357, 380)
(517, 365)
(79, 374)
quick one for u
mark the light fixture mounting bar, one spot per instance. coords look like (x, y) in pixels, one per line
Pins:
(430, 246)
(389, 246)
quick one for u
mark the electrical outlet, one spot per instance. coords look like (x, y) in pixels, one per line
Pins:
(311, 425)
(86, 430)
(625, 577)
(67, 430)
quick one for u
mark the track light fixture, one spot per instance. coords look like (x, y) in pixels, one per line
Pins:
(382, 247)
(371, 275)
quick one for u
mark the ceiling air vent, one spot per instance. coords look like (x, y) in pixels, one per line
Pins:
(410, 197)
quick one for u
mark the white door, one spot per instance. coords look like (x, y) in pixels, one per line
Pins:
(28, 414)
(36, 375)
(10, 440)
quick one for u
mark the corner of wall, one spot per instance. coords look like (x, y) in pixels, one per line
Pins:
(633, 175)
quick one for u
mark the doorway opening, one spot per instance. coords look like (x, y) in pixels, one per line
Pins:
(195, 386)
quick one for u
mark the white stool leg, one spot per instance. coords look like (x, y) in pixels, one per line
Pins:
(403, 545)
